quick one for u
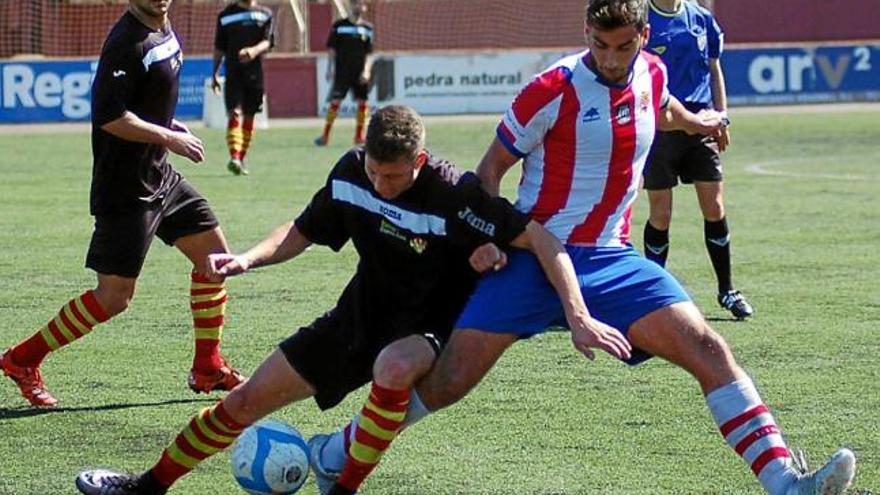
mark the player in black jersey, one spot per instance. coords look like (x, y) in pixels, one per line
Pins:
(244, 34)
(421, 228)
(349, 64)
(137, 195)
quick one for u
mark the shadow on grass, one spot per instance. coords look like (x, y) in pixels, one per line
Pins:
(725, 318)
(27, 412)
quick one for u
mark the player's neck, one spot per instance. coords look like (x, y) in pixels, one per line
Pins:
(154, 22)
(670, 6)
(247, 3)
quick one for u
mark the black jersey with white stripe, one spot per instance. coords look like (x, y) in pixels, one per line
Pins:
(352, 43)
(137, 72)
(413, 271)
(240, 27)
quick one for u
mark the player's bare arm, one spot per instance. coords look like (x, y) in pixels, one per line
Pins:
(368, 68)
(284, 243)
(676, 117)
(586, 332)
(130, 127)
(494, 164)
(250, 53)
(215, 71)
(719, 99)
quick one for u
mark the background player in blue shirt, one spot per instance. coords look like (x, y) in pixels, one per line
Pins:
(690, 43)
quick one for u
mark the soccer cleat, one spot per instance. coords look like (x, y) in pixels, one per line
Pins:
(244, 169)
(235, 166)
(320, 141)
(223, 378)
(734, 302)
(325, 478)
(103, 482)
(29, 381)
(831, 479)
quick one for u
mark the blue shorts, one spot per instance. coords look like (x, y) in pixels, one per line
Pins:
(619, 286)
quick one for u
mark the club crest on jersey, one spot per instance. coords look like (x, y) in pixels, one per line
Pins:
(590, 115)
(418, 244)
(623, 114)
(644, 101)
(659, 50)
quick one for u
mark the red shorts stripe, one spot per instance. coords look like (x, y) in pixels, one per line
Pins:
(767, 456)
(216, 321)
(742, 419)
(754, 436)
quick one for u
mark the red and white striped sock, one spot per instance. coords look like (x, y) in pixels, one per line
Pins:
(749, 428)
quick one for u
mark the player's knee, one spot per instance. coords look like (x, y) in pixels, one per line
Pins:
(114, 300)
(398, 370)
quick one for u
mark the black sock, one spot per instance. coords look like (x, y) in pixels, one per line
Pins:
(718, 244)
(656, 244)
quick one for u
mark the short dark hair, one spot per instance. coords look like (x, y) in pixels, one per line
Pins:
(395, 131)
(612, 14)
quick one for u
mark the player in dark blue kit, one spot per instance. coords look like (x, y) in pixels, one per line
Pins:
(135, 196)
(244, 34)
(422, 229)
(690, 43)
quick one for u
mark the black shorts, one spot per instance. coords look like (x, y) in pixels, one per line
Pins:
(326, 355)
(343, 82)
(244, 90)
(122, 238)
(678, 155)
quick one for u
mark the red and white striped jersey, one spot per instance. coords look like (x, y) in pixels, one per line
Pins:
(584, 142)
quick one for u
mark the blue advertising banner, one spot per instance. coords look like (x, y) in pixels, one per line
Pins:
(60, 91)
(810, 74)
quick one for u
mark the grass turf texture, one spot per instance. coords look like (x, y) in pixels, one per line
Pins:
(545, 421)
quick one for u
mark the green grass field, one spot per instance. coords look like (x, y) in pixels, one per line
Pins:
(803, 205)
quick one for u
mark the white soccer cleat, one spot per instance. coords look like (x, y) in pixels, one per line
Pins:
(323, 477)
(831, 479)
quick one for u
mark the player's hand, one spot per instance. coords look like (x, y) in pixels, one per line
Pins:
(487, 257)
(588, 333)
(187, 145)
(723, 139)
(215, 84)
(179, 126)
(365, 78)
(707, 123)
(245, 55)
(227, 264)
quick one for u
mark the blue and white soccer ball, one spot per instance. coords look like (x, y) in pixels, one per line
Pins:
(270, 457)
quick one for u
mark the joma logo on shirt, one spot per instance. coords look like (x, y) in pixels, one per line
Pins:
(476, 222)
(388, 212)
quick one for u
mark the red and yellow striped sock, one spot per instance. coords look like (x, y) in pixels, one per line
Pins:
(75, 320)
(360, 122)
(234, 137)
(379, 422)
(332, 112)
(207, 433)
(247, 130)
(207, 301)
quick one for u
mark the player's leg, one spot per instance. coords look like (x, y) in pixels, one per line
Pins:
(717, 236)
(116, 253)
(679, 334)
(275, 384)
(656, 237)
(360, 91)
(660, 176)
(337, 93)
(193, 229)
(252, 104)
(367, 437)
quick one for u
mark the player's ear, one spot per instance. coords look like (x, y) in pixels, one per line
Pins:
(421, 158)
(646, 35)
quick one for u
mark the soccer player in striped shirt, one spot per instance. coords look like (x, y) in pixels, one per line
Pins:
(421, 229)
(244, 34)
(583, 129)
(136, 195)
(690, 42)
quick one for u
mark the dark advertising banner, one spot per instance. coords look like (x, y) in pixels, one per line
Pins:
(60, 91)
(811, 74)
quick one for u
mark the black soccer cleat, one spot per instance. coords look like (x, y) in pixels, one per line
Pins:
(734, 302)
(104, 482)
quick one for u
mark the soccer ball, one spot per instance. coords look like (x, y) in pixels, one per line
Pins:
(270, 457)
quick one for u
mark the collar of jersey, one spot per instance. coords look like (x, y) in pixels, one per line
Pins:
(662, 12)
